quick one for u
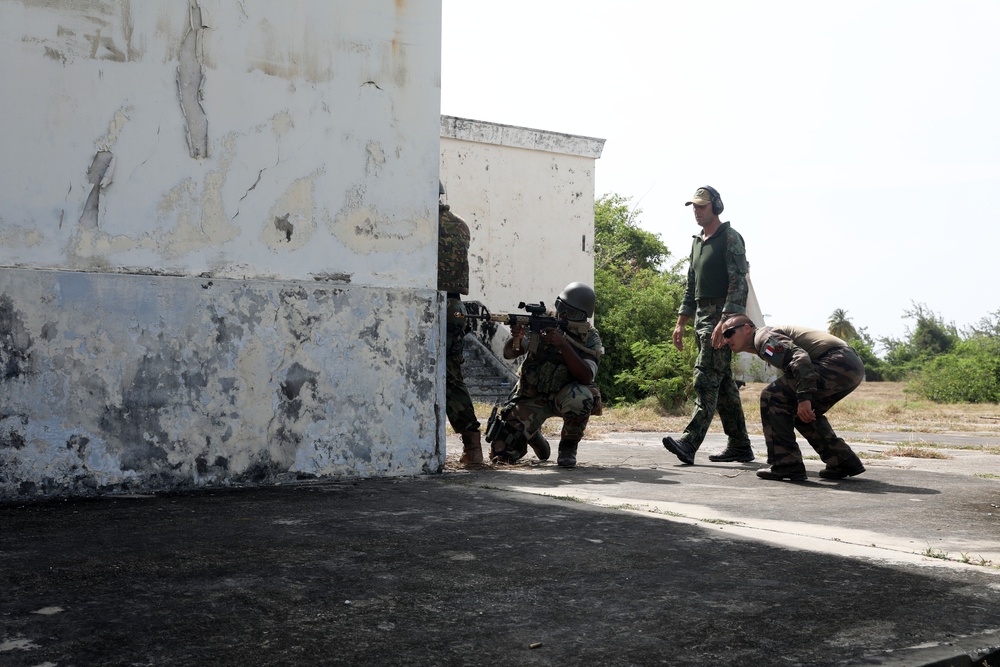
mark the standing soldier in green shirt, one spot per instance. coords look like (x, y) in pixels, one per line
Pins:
(453, 279)
(716, 289)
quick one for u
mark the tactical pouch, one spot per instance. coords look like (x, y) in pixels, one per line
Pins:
(495, 423)
(507, 440)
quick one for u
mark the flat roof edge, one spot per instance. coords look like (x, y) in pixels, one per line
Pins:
(497, 134)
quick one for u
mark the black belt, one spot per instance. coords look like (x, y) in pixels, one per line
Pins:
(715, 301)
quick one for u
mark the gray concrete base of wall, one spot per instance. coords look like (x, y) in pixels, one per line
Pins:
(123, 383)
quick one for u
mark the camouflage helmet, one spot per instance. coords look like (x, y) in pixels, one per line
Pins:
(579, 297)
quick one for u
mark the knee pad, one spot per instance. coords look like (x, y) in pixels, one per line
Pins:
(575, 400)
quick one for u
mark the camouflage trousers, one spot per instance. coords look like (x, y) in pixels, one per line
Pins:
(457, 400)
(574, 403)
(714, 387)
(839, 371)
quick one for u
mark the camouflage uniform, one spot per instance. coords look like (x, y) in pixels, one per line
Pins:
(706, 298)
(453, 278)
(818, 367)
(546, 388)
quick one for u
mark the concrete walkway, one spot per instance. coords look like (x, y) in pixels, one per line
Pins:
(629, 559)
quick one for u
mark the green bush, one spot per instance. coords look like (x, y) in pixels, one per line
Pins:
(969, 374)
(661, 371)
(930, 339)
(637, 300)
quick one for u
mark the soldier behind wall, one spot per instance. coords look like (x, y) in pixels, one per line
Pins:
(453, 279)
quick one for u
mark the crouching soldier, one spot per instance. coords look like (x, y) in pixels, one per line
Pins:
(819, 370)
(556, 378)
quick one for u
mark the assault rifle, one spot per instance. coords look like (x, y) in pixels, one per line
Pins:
(537, 319)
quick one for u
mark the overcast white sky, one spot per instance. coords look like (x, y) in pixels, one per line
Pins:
(856, 144)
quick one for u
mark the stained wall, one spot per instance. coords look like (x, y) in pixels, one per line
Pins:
(217, 242)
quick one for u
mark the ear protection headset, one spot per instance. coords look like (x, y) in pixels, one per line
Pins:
(717, 206)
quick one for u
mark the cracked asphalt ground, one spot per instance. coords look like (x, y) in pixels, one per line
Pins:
(629, 559)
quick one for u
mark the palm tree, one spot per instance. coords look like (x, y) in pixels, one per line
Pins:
(840, 326)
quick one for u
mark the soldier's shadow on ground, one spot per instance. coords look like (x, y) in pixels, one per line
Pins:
(873, 486)
(547, 474)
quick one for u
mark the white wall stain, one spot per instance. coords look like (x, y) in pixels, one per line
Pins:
(17, 235)
(292, 222)
(376, 158)
(292, 50)
(102, 31)
(282, 123)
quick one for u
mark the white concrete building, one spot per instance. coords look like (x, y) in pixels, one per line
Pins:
(218, 242)
(528, 196)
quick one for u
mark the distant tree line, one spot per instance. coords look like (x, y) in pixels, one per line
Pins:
(938, 361)
(639, 292)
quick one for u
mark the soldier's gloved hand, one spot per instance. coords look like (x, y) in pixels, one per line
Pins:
(553, 336)
(517, 331)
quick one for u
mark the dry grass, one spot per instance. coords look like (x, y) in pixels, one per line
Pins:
(913, 452)
(873, 407)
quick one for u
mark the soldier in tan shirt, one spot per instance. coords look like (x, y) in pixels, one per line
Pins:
(819, 370)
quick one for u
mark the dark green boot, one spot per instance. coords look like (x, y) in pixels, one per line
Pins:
(567, 453)
(540, 446)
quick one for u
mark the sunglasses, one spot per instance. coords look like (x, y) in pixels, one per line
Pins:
(728, 333)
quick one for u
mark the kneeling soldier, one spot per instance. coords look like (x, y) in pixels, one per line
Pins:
(555, 378)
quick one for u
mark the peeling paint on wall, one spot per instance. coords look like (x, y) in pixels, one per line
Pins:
(99, 177)
(300, 335)
(15, 343)
(190, 82)
(188, 69)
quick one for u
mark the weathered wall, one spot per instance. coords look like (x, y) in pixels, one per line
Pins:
(528, 196)
(217, 241)
(157, 382)
(245, 139)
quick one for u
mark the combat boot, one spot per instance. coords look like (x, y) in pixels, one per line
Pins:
(850, 467)
(540, 446)
(781, 473)
(680, 448)
(567, 453)
(740, 454)
(472, 448)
